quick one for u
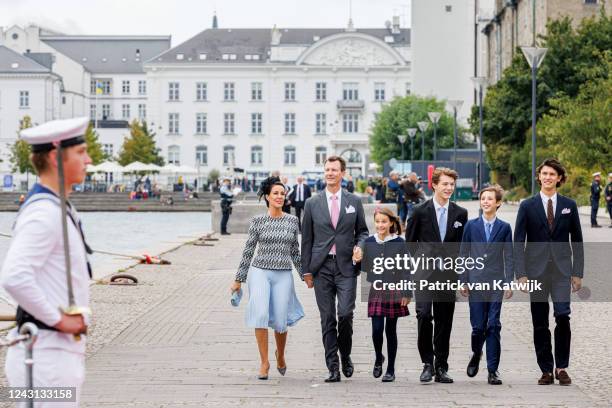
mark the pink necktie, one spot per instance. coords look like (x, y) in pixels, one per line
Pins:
(335, 213)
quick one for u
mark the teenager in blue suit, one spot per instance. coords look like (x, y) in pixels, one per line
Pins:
(549, 250)
(489, 239)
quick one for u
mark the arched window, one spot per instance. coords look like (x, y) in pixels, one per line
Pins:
(351, 156)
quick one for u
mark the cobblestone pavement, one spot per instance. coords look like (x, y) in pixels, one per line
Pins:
(174, 341)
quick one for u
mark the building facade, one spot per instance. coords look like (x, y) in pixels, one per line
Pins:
(519, 23)
(48, 75)
(253, 99)
(281, 99)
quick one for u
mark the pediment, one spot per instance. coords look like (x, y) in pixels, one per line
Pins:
(351, 50)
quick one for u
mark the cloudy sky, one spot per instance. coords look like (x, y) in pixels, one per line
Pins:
(184, 18)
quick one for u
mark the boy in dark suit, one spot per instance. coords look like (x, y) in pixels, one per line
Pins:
(435, 230)
(547, 236)
(489, 239)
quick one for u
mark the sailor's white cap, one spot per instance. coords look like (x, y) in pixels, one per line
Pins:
(68, 132)
(597, 174)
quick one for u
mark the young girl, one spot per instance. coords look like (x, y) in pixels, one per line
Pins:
(386, 305)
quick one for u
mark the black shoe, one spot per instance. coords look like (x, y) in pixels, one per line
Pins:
(347, 367)
(388, 377)
(225, 233)
(427, 373)
(494, 378)
(595, 226)
(334, 376)
(473, 365)
(377, 371)
(442, 376)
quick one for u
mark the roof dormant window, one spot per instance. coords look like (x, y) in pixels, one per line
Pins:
(180, 56)
(202, 57)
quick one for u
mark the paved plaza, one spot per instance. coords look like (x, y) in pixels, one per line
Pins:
(174, 341)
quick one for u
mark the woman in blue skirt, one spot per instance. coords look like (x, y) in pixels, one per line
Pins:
(272, 299)
(386, 305)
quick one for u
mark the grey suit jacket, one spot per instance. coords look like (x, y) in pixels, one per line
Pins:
(319, 235)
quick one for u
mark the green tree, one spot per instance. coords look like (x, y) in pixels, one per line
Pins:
(572, 55)
(404, 113)
(21, 151)
(94, 148)
(579, 130)
(140, 146)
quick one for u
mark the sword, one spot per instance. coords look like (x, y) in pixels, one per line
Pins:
(72, 309)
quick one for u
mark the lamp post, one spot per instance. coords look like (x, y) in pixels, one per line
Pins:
(480, 83)
(423, 126)
(402, 140)
(534, 56)
(412, 133)
(434, 117)
(455, 105)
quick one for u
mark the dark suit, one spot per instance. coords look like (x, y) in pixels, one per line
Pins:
(595, 195)
(546, 255)
(298, 202)
(485, 306)
(423, 237)
(333, 276)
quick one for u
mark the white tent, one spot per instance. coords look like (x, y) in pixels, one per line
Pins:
(92, 168)
(136, 167)
(109, 167)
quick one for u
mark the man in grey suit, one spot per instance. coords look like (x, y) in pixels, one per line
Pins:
(333, 226)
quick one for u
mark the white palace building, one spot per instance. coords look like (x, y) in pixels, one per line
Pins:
(257, 99)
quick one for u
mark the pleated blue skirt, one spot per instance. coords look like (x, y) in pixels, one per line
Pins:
(272, 300)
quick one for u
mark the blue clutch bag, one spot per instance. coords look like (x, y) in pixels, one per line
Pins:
(236, 296)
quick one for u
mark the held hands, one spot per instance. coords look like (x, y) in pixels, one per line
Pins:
(357, 254)
(309, 281)
(576, 283)
(507, 294)
(464, 292)
(71, 324)
(235, 286)
(405, 301)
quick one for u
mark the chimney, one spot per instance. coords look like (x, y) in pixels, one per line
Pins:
(276, 36)
(215, 23)
(396, 25)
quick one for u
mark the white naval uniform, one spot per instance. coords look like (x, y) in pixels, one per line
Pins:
(33, 274)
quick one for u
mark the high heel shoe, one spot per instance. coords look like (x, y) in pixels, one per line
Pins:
(264, 376)
(281, 370)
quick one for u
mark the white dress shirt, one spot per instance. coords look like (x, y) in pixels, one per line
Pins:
(438, 207)
(545, 198)
(299, 194)
(34, 272)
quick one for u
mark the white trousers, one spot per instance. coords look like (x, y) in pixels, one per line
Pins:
(52, 368)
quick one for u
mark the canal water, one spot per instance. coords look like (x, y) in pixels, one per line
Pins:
(130, 233)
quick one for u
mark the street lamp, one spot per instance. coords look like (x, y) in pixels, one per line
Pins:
(435, 118)
(402, 140)
(412, 133)
(423, 126)
(534, 56)
(455, 105)
(480, 83)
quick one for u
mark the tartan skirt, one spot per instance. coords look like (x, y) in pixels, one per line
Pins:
(386, 303)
